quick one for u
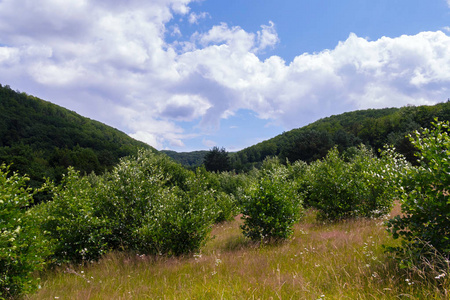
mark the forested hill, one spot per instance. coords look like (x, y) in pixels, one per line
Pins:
(191, 159)
(373, 127)
(42, 139)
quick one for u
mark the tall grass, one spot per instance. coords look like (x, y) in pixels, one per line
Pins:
(343, 260)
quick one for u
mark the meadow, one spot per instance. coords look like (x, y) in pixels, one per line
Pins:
(341, 260)
(350, 226)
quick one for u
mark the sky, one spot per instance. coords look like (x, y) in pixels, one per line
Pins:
(188, 75)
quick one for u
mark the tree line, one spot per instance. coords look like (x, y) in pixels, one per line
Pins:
(42, 139)
(373, 128)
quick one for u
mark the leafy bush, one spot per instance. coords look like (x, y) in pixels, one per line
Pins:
(150, 212)
(425, 223)
(272, 204)
(330, 188)
(227, 188)
(72, 221)
(359, 187)
(138, 206)
(182, 223)
(132, 190)
(23, 249)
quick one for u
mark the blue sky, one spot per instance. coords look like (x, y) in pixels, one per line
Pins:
(315, 25)
(189, 75)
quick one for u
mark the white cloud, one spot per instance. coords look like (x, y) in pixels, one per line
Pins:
(110, 61)
(194, 18)
(448, 3)
(267, 37)
(240, 40)
(356, 74)
(184, 107)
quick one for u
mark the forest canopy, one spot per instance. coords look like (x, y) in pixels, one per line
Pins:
(371, 127)
(42, 139)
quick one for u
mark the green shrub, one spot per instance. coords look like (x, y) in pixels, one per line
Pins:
(148, 214)
(184, 220)
(23, 249)
(358, 186)
(139, 206)
(133, 189)
(330, 188)
(425, 222)
(71, 220)
(272, 204)
(225, 207)
(227, 188)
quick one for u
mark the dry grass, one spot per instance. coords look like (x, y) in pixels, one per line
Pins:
(322, 261)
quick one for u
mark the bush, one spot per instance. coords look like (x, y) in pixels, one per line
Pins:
(227, 188)
(358, 186)
(184, 220)
(138, 206)
(23, 250)
(272, 205)
(72, 221)
(425, 223)
(134, 189)
(149, 214)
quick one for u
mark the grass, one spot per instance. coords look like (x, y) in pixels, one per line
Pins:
(343, 260)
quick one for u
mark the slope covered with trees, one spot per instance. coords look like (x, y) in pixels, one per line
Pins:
(42, 139)
(372, 127)
(191, 159)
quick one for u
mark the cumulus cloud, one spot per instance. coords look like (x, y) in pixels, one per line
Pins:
(238, 39)
(356, 74)
(110, 61)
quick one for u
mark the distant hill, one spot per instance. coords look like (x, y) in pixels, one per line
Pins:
(42, 139)
(373, 127)
(188, 159)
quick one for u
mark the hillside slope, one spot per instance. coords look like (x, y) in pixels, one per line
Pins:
(373, 127)
(42, 139)
(191, 159)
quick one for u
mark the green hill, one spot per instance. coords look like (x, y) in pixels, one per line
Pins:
(373, 127)
(191, 159)
(42, 139)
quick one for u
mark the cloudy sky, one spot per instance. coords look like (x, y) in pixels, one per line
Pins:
(188, 75)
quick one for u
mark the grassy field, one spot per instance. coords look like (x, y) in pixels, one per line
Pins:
(342, 260)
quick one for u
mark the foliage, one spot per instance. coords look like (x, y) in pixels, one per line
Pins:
(360, 187)
(272, 204)
(229, 191)
(23, 250)
(217, 160)
(189, 160)
(425, 223)
(151, 214)
(372, 127)
(308, 145)
(135, 207)
(184, 219)
(42, 139)
(72, 221)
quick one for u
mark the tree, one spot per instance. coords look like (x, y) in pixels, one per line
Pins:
(217, 160)
(425, 221)
(23, 250)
